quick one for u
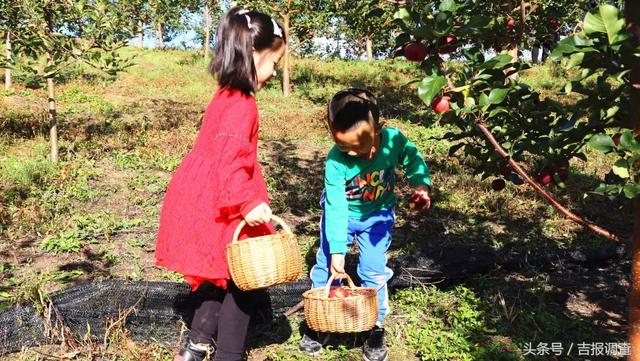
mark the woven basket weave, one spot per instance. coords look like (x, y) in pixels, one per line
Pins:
(264, 261)
(356, 313)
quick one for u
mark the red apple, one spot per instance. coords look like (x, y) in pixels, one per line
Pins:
(415, 51)
(338, 292)
(417, 203)
(545, 176)
(441, 104)
(447, 45)
(498, 184)
(511, 23)
(563, 173)
(616, 139)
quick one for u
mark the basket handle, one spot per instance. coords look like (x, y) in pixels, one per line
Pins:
(278, 220)
(327, 287)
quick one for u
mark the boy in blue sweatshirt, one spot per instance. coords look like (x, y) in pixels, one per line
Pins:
(358, 202)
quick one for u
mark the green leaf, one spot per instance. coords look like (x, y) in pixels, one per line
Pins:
(484, 100)
(629, 142)
(402, 39)
(498, 110)
(602, 143)
(496, 96)
(606, 20)
(403, 14)
(497, 62)
(621, 168)
(448, 5)
(631, 190)
(575, 60)
(430, 87)
(565, 46)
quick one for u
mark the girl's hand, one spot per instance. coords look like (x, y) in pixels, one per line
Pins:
(337, 264)
(261, 214)
(420, 199)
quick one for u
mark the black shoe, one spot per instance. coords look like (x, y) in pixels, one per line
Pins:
(192, 353)
(312, 342)
(374, 348)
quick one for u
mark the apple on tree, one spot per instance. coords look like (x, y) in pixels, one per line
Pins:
(441, 104)
(415, 51)
(616, 139)
(563, 173)
(545, 176)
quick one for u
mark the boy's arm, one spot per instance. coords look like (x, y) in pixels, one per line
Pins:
(413, 164)
(336, 208)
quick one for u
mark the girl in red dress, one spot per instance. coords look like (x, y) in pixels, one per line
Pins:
(219, 183)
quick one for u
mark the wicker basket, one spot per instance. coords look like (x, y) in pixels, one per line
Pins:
(264, 261)
(356, 313)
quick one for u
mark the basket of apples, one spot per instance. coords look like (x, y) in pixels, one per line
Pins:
(340, 309)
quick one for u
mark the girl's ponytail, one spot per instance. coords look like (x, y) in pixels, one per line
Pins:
(239, 33)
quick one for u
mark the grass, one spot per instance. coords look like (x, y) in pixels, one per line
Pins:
(94, 214)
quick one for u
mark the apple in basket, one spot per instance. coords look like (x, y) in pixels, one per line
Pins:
(338, 292)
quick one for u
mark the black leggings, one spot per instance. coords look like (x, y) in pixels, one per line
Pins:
(226, 314)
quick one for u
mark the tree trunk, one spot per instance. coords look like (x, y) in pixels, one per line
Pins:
(207, 32)
(632, 12)
(141, 34)
(7, 71)
(286, 82)
(160, 36)
(634, 296)
(369, 45)
(53, 121)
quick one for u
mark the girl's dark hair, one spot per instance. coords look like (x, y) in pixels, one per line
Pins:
(350, 107)
(239, 33)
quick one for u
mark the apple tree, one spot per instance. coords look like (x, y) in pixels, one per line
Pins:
(502, 122)
(59, 33)
(366, 22)
(301, 19)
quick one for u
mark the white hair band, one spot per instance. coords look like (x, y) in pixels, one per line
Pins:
(245, 12)
(277, 31)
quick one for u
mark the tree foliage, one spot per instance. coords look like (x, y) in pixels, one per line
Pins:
(523, 122)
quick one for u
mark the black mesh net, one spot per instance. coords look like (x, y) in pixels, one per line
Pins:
(20, 326)
(157, 310)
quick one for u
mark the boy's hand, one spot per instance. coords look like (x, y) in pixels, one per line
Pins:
(420, 198)
(337, 264)
(261, 214)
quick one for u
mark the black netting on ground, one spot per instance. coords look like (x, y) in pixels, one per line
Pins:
(156, 310)
(20, 326)
(153, 310)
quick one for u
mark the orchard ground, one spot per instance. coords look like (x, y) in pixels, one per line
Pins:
(94, 215)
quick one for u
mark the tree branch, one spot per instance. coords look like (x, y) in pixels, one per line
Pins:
(554, 202)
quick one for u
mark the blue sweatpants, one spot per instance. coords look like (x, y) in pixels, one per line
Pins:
(373, 235)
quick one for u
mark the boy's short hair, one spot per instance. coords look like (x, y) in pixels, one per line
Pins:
(350, 107)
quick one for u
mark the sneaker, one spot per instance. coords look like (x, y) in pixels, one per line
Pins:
(374, 348)
(193, 352)
(312, 342)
